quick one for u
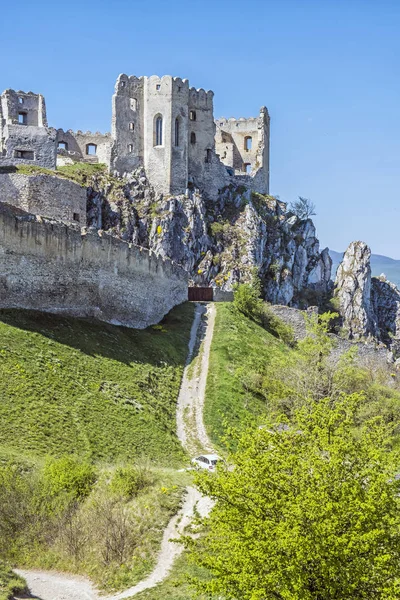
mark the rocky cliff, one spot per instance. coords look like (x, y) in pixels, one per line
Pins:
(370, 307)
(218, 243)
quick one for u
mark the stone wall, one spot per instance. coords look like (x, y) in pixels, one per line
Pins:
(24, 135)
(76, 146)
(50, 267)
(45, 195)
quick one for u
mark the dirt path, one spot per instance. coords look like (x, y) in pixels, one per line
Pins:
(189, 416)
(45, 585)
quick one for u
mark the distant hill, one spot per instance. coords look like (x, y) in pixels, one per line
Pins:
(379, 264)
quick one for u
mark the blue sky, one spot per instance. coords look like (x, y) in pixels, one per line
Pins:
(328, 71)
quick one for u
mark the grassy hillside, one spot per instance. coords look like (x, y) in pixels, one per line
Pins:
(10, 583)
(101, 391)
(238, 348)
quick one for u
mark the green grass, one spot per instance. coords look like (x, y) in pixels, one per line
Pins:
(175, 586)
(97, 390)
(78, 172)
(239, 346)
(10, 583)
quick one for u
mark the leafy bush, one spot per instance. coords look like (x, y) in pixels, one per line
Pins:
(247, 301)
(68, 474)
(277, 327)
(129, 481)
(10, 583)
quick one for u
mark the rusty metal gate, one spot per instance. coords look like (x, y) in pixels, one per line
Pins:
(200, 294)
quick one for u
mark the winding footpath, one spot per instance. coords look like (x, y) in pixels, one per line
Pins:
(45, 585)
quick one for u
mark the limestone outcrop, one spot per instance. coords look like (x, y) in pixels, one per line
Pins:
(353, 291)
(218, 242)
(369, 307)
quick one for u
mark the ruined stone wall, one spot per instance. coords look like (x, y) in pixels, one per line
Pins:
(242, 142)
(76, 146)
(54, 268)
(24, 135)
(45, 195)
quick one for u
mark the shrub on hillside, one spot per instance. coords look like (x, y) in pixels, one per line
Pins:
(69, 475)
(129, 481)
(247, 301)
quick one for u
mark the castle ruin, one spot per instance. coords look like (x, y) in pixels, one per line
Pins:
(159, 123)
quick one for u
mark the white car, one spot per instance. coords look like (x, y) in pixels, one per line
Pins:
(206, 461)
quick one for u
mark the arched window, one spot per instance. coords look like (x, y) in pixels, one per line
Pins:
(130, 148)
(131, 126)
(91, 149)
(248, 140)
(177, 132)
(192, 115)
(158, 131)
(193, 138)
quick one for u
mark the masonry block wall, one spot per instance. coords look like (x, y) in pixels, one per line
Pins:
(54, 268)
(45, 195)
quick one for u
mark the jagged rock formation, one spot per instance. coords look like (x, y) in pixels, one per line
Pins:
(353, 290)
(218, 242)
(370, 307)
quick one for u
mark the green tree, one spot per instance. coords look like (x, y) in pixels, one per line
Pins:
(306, 511)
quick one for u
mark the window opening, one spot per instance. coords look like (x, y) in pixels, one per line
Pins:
(158, 86)
(193, 138)
(25, 154)
(208, 155)
(177, 131)
(247, 168)
(133, 104)
(192, 115)
(20, 100)
(131, 126)
(76, 217)
(22, 118)
(130, 148)
(91, 149)
(62, 146)
(159, 139)
(248, 143)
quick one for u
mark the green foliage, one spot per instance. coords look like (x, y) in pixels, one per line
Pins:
(303, 208)
(54, 518)
(70, 475)
(247, 301)
(129, 481)
(10, 583)
(81, 173)
(71, 386)
(309, 510)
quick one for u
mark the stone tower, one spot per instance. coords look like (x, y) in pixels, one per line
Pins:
(24, 134)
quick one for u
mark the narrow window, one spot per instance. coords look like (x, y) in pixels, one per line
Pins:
(158, 86)
(247, 168)
(91, 149)
(133, 104)
(62, 146)
(159, 132)
(248, 140)
(193, 138)
(131, 126)
(130, 148)
(177, 131)
(20, 100)
(208, 155)
(22, 118)
(122, 83)
(76, 217)
(192, 115)
(25, 154)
